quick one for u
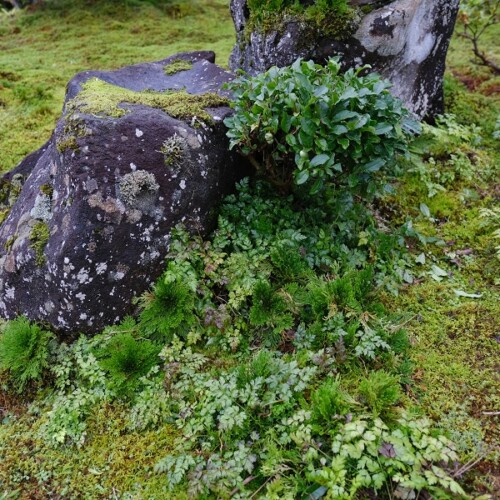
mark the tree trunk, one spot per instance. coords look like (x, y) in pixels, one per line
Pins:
(406, 41)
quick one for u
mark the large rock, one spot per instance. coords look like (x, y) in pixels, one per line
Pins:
(404, 40)
(90, 228)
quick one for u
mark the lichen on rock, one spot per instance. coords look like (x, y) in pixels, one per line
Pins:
(173, 149)
(139, 190)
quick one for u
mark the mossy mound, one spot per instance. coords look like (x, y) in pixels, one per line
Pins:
(103, 99)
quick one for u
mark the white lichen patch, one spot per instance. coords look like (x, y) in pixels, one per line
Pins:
(101, 268)
(138, 133)
(42, 209)
(139, 190)
(83, 276)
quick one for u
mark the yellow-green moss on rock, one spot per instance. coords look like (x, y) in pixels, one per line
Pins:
(176, 66)
(39, 238)
(103, 99)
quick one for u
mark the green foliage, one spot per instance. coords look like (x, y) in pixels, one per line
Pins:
(328, 401)
(127, 360)
(491, 220)
(307, 122)
(446, 155)
(81, 384)
(368, 454)
(477, 16)
(24, 352)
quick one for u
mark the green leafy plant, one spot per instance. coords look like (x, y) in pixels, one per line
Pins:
(403, 461)
(309, 122)
(24, 351)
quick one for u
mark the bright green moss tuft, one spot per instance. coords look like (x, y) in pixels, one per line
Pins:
(67, 142)
(39, 238)
(332, 18)
(176, 66)
(47, 189)
(103, 99)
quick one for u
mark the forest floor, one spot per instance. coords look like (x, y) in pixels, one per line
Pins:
(450, 306)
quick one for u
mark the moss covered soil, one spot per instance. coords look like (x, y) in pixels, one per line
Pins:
(450, 309)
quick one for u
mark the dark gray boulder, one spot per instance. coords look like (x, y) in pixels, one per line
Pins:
(406, 41)
(136, 152)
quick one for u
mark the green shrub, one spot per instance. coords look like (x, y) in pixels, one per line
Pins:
(127, 360)
(24, 351)
(308, 122)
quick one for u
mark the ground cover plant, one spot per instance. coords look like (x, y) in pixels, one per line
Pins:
(315, 344)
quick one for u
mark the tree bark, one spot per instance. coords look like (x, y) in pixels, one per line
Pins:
(406, 41)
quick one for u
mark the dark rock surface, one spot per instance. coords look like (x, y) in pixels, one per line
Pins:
(406, 41)
(90, 228)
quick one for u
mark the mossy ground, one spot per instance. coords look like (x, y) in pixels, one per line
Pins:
(41, 49)
(455, 339)
(112, 457)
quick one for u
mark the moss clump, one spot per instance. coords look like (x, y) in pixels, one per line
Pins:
(3, 214)
(326, 18)
(103, 99)
(67, 142)
(176, 66)
(39, 238)
(9, 242)
(47, 189)
(85, 472)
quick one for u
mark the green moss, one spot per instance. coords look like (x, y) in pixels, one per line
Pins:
(443, 205)
(176, 66)
(47, 189)
(39, 238)
(326, 18)
(67, 142)
(9, 242)
(10, 190)
(3, 214)
(101, 98)
(114, 461)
